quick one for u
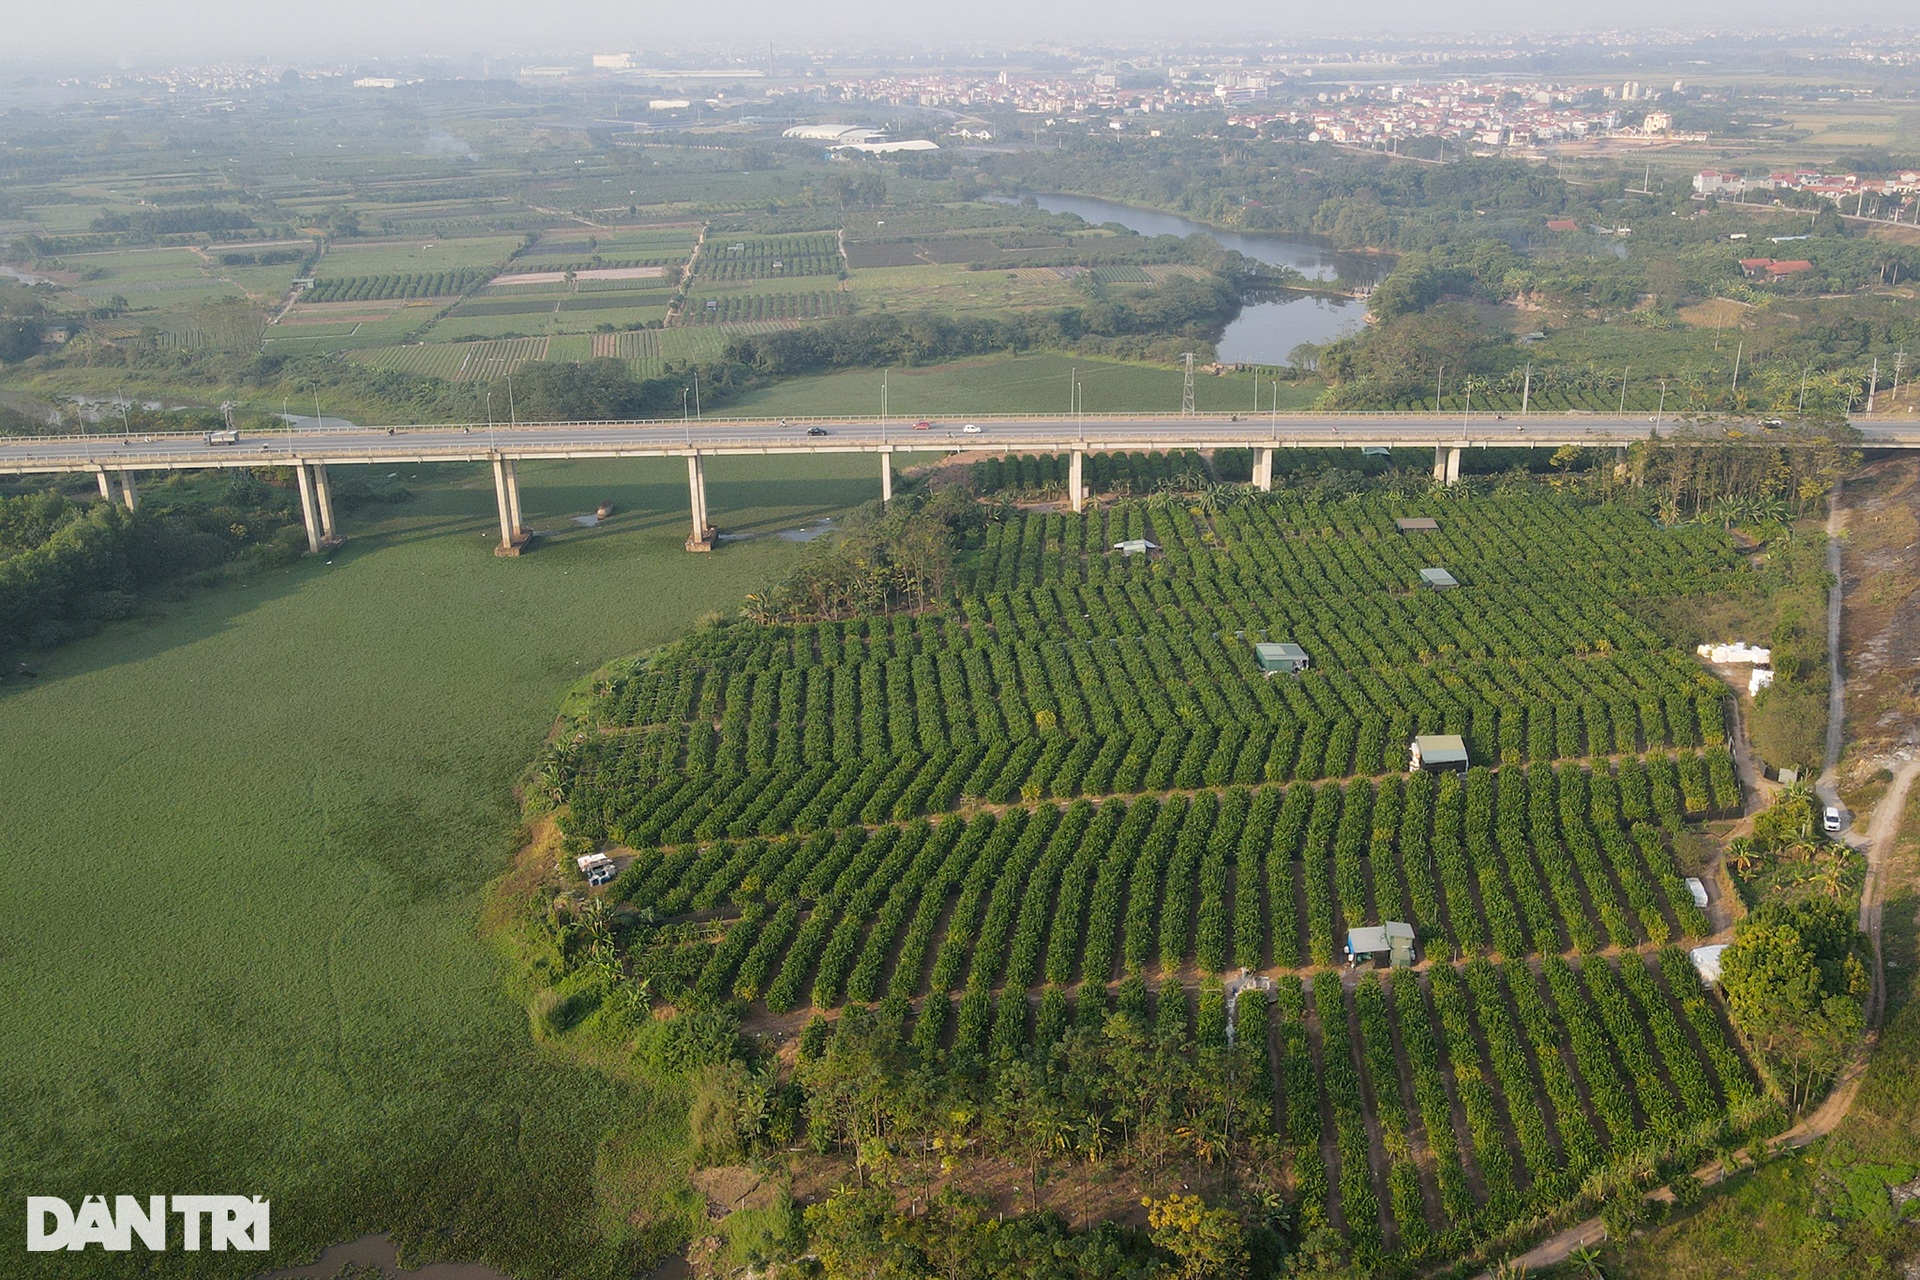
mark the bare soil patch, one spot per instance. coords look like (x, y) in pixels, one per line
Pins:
(1880, 631)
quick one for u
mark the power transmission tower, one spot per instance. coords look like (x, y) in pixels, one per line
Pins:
(1186, 392)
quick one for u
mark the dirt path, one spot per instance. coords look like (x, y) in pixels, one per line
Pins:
(1881, 833)
(1836, 689)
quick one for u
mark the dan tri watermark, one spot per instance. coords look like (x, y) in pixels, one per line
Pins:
(211, 1222)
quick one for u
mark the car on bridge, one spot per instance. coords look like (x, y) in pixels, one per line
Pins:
(972, 429)
(923, 425)
(816, 431)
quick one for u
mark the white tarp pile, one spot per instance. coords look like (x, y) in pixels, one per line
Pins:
(1739, 652)
(1706, 961)
(1758, 679)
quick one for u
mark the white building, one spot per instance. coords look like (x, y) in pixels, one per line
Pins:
(1712, 182)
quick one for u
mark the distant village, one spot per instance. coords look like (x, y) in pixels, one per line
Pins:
(1837, 187)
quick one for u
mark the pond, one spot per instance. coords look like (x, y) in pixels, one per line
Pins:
(1264, 332)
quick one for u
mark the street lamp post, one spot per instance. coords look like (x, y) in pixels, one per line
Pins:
(1660, 412)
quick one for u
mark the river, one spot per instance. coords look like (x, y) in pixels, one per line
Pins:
(1264, 332)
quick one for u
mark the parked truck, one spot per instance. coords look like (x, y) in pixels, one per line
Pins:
(225, 435)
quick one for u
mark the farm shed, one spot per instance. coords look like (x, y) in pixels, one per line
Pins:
(1437, 753)
(1416, 524)
(1395, 938)
(1706, 962)
(1438, 579)
(1135, 547)
(1376, 451)
(1290, 658)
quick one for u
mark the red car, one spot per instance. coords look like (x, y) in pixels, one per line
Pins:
(923, 426)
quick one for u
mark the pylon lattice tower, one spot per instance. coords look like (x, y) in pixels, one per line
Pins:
(1186, 392)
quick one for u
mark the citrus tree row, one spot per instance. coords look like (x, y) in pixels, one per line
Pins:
(1102, 472)
(1353, 547)
(417, 284)
(1486, 1117)
(1237, 880)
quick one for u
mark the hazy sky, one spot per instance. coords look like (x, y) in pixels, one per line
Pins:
(139, 33)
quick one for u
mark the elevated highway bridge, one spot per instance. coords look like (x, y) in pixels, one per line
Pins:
(115, 459)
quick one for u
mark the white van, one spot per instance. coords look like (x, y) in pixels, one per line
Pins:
(1832, 821)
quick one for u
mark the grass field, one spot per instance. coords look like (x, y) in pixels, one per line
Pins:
(245, 841)
(462, 328)
(1016, 384)
(954, 288)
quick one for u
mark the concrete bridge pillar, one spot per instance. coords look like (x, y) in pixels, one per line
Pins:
(308, 509)
(506, 496)
(1263, 470)
(323, 499)
(702, 539)
(886, 475)
(129, 490)
(1453, 465)
(1440, 464)
(1077, 480)
(513, 502)
(106, 488)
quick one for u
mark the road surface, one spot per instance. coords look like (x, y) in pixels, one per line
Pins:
(479, 441)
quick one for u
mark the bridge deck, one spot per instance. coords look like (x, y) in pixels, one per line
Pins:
(463, 442)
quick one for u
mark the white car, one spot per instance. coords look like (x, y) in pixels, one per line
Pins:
(1831, 821)
(972, 429)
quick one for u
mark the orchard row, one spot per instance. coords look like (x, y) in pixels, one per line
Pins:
(1523, 862)
(1496, 1091)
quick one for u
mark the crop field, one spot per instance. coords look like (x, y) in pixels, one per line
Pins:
(746, 308)
(1067, 670)
(636, 246)
(1107, 472)
(1001, 817)
(360, 335)
(1035, 383)
(351, 258)
(122, 267)
(729, 257)
(416, 284)
(954, 288)
(459, 361)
